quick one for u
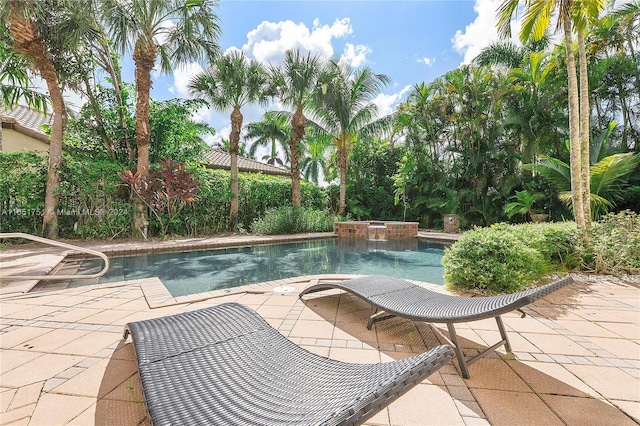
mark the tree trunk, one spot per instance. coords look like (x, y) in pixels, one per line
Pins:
(144, 57)
(585, 130)
(574, 127)
(298, 123)
(234, 144)
(28, 42)
(343, 158)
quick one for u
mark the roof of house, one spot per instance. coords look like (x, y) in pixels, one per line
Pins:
(221, 160)
(27, 121)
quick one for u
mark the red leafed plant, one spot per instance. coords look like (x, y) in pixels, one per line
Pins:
(167, 191)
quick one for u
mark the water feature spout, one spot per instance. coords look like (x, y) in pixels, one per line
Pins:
(377, 233)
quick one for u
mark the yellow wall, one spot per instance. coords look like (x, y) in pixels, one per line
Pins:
(15, 141)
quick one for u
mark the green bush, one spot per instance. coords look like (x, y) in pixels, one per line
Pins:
(292, 220)
(494, 260)
(615, 244)
(23, 178)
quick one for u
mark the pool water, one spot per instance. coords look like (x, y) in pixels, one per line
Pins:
(193, 272)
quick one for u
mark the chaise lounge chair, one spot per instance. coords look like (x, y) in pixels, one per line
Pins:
(391, 297)
(225, 365)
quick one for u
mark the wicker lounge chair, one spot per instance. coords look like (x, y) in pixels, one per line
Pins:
(225, 365)
(391, 297)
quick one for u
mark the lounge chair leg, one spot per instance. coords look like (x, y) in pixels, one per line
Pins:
(503, 334)
(456, 347)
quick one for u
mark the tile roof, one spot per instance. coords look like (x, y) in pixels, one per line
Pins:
(221, 160)
(27, 121)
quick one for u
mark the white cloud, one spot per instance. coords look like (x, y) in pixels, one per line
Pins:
(426, 60)
(478, 34)
(269, 40)
(387, 103)
(181, 77)
(355, 55)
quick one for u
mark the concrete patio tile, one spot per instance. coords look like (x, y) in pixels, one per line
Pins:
(622, 348)
(56, 338)
(494, 373)
(316, 329)
(586, 328)
(361, 356)
(17, 336)
(74, 315)
(550, 378)
(40, 369)
(6, 396)
(618, 385)
(26, 395)
(19, 416)
(586, 411)
(425, 402)
(279, 312)
(556, 344)
(111, 412)
(107, 316)
(288, 299)
(625, 330)
(460, 393)
(514, 408)
(10, 308)
(32, 312)
(380, 419)
(631, 408)
(69, 301)
(55, 409)
(524, 325)
(11, 359)
(608, 315)
(129, 391)
(106, 303)
(89, 344)
(100, 379)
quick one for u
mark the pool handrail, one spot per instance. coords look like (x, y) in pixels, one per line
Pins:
(56, 244)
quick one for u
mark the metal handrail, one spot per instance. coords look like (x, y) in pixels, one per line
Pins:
(57, 244)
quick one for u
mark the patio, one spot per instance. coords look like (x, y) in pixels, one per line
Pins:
(577, 353)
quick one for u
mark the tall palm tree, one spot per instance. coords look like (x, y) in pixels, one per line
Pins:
(174, 31)
(44, 32)
(345, 110)
(273, 130)
(295, 82)
(571, 15)
(231, 82)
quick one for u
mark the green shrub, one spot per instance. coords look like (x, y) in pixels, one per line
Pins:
(494, 260)
(615, 244)
(292, 220)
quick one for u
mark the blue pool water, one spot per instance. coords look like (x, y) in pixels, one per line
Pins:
(199, 271)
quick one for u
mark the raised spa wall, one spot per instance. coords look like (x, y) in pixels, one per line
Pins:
(376, 230)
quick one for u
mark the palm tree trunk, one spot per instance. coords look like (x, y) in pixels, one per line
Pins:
(28, 42)
(585, 130)
(574, 126)
(144, 58)
(297, 126)
(343, 158)
(234, 145)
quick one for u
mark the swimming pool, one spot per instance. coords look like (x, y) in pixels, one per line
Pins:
(193, 272)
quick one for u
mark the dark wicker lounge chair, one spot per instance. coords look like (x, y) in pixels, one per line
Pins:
(391, 297)
(226, 366)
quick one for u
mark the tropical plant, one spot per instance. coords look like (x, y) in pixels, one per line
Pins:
(314, 157)
(572, 16)
(231, 82)
(15, 81)
(523, 203)
(608, 177)
(295, 82)
(167, 191)
(46, 32)
(173, 31)
(344, 109)
(273, 130)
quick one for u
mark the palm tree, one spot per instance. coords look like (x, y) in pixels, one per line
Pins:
(44, 33)
(345, 110)
(273, 130)
(15, 82)
(295, 84)
(572, 14)
(314, 157)
(231, 82)
(172, 30)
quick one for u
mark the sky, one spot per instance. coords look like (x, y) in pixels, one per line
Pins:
(409, 41)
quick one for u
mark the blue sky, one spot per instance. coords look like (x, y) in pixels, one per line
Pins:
(410, 41)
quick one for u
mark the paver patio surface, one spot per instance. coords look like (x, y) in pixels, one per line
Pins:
(576, 354)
